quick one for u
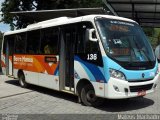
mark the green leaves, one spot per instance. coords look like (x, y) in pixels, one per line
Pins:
(153, 35)
(17, 22)
(15, 5)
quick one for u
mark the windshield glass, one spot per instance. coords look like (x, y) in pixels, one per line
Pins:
(124, 41)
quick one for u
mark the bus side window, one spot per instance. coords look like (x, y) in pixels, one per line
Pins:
(83, 45)
(4, 45)
(9, 40)
(49, 41)
(80, 41)
(20, 43)
(92, 47)
(33, 41)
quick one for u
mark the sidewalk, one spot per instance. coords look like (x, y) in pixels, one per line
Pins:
(10, 87)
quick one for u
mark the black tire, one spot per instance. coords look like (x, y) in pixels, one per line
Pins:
(22, 81)
(88, 97)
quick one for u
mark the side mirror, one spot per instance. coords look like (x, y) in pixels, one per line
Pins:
(157, 52)
(91, 35)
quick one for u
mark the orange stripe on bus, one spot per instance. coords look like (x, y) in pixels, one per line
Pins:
(34, 63)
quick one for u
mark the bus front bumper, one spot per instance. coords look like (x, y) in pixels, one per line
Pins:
(120, 89)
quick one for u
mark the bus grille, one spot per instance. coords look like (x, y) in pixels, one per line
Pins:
(140, 88)
(140, 80)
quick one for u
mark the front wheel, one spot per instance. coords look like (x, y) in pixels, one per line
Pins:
(89, 98)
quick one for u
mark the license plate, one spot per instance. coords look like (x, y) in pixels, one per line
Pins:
(142, 93)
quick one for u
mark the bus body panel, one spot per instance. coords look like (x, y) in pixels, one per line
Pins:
(3, 64)
(91, 72)
(131, 75)
(7, 65)
(134, 84)
(111, 93)
(31, 77)
(37, 71)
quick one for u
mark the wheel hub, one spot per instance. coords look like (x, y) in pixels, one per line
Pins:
(91, 96)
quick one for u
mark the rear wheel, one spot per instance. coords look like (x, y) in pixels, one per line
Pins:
(22, 81)
(89, 98)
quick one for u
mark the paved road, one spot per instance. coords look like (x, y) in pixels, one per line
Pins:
(38, 100)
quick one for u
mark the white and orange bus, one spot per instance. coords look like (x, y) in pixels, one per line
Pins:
(92, 56)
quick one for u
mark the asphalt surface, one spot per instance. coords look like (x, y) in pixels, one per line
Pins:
(38, 100)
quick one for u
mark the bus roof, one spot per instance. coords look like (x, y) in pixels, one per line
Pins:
(63, 21)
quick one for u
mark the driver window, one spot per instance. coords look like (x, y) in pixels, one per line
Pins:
(83, 44)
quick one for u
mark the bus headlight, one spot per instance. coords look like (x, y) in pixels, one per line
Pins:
(117, 74)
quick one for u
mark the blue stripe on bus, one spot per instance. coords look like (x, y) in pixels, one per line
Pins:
(56, 71)
(96, 72)
(102, 71)
(89, 73)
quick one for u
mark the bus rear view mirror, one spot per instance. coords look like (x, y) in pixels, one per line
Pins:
(91, 35)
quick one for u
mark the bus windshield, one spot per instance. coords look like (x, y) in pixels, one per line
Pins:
(125, 42)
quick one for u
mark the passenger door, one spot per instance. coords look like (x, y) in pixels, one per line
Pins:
(9, 55)
(68, 36)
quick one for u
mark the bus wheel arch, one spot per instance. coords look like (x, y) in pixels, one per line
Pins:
(80, 84)
(86, 93)
(21, 78)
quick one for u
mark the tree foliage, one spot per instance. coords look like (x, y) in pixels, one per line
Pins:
(15, 5)
(30, 5)
(153, 35)
(149, 31)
